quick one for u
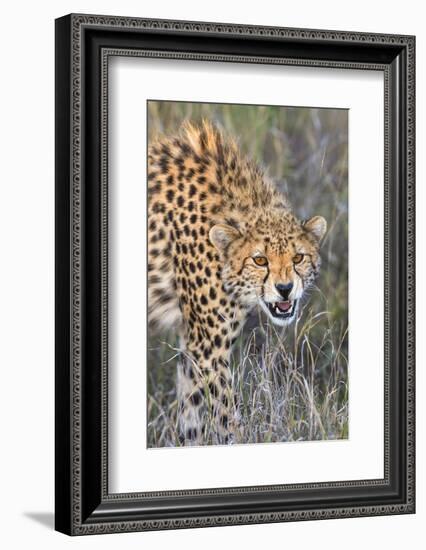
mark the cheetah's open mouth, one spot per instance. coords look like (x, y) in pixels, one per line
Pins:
(282, 310)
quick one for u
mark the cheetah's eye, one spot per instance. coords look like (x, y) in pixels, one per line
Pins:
(298, 258)
(261, 261)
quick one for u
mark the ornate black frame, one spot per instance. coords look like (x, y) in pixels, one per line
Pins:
(83, 46)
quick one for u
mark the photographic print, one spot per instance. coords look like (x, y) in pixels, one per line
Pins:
(247, 274)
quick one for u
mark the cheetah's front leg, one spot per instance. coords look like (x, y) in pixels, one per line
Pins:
(207, 412)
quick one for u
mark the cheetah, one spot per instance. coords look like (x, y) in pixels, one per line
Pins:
(221, 241)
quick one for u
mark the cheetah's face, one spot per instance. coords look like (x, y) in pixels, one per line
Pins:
(272, 264)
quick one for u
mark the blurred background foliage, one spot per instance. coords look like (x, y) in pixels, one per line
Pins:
(305, 151)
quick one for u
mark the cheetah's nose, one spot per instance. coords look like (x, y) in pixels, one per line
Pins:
(284, 289)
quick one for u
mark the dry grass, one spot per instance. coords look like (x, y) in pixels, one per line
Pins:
(292, 383)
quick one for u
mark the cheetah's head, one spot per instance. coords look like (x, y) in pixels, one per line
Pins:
(270, 262)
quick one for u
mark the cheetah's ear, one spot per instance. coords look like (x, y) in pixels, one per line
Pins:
(222, 235)
(317, 226)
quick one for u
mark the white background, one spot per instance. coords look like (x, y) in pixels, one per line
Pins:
(361, 457)
(26, 304)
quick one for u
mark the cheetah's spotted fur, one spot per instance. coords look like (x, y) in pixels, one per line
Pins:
(221, 239)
